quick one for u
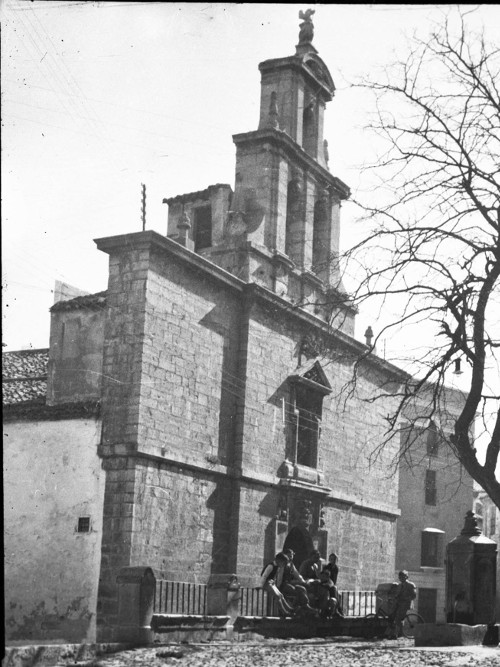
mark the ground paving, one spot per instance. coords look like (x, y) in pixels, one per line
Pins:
(299, 653)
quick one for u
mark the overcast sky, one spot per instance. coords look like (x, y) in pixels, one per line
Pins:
(101, 97)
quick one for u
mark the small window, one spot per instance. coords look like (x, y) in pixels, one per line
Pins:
(202, 227)
(493, 521)
(83, 524)
(430, 487)
(431, 548)
(432, 440)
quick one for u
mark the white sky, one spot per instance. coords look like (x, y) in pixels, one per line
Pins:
(101, 97)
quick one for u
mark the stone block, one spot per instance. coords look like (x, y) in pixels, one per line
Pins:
(449, 634)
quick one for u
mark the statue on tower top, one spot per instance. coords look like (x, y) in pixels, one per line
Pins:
(306, 33)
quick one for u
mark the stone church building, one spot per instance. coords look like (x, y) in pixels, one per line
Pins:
(216, 372)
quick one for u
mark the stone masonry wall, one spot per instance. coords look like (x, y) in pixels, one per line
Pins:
(361, 520)
(190, 381)
(170, 361)
(181, 518)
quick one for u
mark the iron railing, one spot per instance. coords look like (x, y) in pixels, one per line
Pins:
(178, 597)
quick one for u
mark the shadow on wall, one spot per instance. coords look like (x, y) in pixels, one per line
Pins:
(220, 503)
(232, 389)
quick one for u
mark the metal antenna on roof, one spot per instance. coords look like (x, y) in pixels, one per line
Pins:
(143, 206)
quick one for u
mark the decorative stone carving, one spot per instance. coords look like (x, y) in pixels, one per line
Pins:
(305, 513)
(236, 224)
(184, 222)
(369, 336)
(295, 190)
(282, 513)
(321, 522)
(311, 346)
(183, 227)
(306, 33)
(325, 152)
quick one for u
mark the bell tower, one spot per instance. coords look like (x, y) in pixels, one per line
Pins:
(282, 224)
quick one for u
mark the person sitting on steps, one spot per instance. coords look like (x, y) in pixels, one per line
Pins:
(311, 567)
(280, 580)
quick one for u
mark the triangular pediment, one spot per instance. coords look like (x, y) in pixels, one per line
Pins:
(316, 374)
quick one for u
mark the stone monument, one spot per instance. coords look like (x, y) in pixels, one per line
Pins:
(471, 576)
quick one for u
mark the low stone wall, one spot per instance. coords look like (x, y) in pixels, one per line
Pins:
(47, 655)
(454, 634)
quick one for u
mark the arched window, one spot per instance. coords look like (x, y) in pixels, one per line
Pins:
(310, 127)
(293, 206)
(320, 234)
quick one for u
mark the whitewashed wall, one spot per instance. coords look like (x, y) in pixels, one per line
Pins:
(52, 476)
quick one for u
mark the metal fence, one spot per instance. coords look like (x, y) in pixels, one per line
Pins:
(178, 597)
(358, 603)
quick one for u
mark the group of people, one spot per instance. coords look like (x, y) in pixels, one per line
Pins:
(312, 588)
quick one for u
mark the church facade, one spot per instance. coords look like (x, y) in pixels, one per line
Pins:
(222, 357)
(227, 433)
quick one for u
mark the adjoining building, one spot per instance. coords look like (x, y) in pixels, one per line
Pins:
(220, 357)
(53, 493)
(435, 493)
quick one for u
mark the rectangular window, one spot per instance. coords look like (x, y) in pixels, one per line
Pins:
(430, 487)
(83, 524)
(202, 227)
(493, 521)
(432, 440)
(308, 406)
(430, 549)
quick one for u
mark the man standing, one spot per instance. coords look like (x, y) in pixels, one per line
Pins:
(406, 592)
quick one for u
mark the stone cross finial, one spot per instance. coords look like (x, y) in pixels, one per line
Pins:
(306, 33)
(369, 336)
(183, 227)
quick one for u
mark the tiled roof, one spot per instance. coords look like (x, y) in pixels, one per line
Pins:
(24, 376)
(24, 364)
(24, 390)
(199, 194)
(95, 301)
(19, 391)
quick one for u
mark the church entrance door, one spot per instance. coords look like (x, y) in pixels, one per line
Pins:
(299, 540)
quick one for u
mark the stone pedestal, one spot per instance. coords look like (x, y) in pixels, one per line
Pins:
(471, 576)
(136, 589)
(223, 596)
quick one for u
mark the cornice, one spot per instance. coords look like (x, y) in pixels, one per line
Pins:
(298, 62)
(282, 140)
(153, 241)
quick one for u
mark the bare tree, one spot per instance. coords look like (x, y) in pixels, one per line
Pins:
(434, 240)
